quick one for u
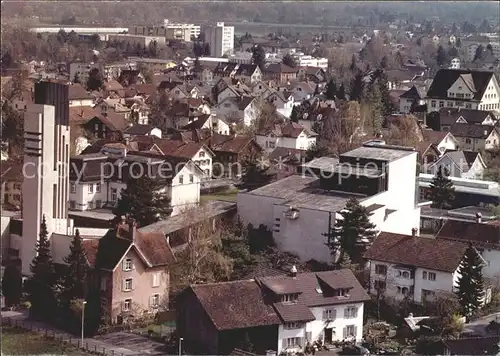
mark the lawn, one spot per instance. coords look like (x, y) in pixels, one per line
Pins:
(228, 196)
(17, 341)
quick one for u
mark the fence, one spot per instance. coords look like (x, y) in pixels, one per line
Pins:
(89, 346)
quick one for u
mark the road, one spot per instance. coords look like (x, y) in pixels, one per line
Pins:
(478, 327)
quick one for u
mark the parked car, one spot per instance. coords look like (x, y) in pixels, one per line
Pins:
(355, 350)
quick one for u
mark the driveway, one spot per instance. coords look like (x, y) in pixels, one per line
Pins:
(140, 344)
(478, 327)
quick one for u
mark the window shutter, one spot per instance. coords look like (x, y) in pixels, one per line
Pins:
(355, 331)
(334, 314)
(344, 332)
(124, 285)
(283, 344)
(123, 306)
(124, 264)
(324, 314)
(346, 313)
(151, 300)
(355, 312)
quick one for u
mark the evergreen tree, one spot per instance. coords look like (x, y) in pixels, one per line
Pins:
(387, 104)
(331, 90)
(458, 42)
(256, 176)
(357, 87)
(41, 291)
(470, 284)
(419, 41)
(76, 79)
(95, 81)
(479, 54)
(352, 234)
(294, 116)
(143, 201)
(341, 92)
(75, 279)
(258, 56)
(354, 62)
(441, 57)
(442, 191)
(384, 62)
(289, 61)
(374, 98)
(12, 285)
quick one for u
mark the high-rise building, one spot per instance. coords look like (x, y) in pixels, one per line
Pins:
(220, 38)
(46, 166)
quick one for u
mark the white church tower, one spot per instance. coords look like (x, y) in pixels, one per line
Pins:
(46, 167)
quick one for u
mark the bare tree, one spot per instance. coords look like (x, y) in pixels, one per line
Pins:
(405, 132)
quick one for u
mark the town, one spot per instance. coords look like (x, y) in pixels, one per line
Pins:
(246, 180)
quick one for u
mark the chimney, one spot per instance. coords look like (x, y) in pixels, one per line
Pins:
(479, 218)
(293, 272)
(132, 229)
(414, 232)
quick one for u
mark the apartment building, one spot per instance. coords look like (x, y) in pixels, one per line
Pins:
(97, 179)
(220, 39)
(464, 88)
(303, 60)
(300, 209)
(135, 40)
(285, 313)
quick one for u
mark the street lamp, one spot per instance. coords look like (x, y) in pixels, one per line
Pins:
(83, 318)
(180, 345)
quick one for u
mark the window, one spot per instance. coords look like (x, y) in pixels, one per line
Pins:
(113, 195)
(424, 275)
(427, 294)
(349, 331)
(127, 285)
(98, 204)
(156, 279)
(292, 342)
(73, 188)
(329, 314)
(379, 285)
(104, 284)
(468, 106)
(202, 154)
(191, 178)
(290, 297)
(450, 103)
(291, 326)
(350, 312)
(72, 204)
(98, 187)
(403, 290)
(91, 188)
(90, 205)
(272, 144)
(405, 274)
(155, 300)
(181, 179)
(441, 104)
(127, 264)
(96, 127)
(381, 269)
(433, 103)
(127, 304)
(432, 276)
(467, 140)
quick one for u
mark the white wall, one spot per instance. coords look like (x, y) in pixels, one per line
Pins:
(187, 194)
(203, 159)
(491, 97)
(269, 143)
(81, 102)
(492, 267)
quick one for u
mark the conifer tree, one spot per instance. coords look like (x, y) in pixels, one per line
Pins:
(12, 285)
(331, 90)
(470, 284)
(41, 284)
(442, 191)
(294, 116)
(75, 279)
(352, 234)
(341, 92)
(255, 176)
(357, 87)
(143, 201)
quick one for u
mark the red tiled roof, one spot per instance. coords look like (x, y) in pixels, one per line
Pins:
(90, 246)
(434, 254)
(471, 231)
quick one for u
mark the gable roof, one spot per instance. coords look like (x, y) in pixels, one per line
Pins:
(77, 91)
(413, 93)
(471, 130)
(467, 231)
(278, 68)
(138, 129)
(198, 123)
(434, 254)
(444, 79)
(450, 116)
(434, 137)
(114, 121)
(462, 159)
(235, 305)
(289, 129)
(233, 144)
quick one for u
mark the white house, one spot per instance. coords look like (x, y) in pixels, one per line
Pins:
(443, 141)
(463, 88)
(78, 96)
(300, 209)
(407, 265)
(289, 135)
(296, 308)
(283, 101)
(460, 164)
(96, 180)
(449, 117)
(238, 109)
(476, 137)
(409, 99)
(141, 130)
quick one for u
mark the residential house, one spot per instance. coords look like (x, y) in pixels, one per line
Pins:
(212, 122)
(286, 312)
(97, 179)
(415, 267)
(238, 110)
(139, 112)
(130, 269)
(283, 101)
(401, 79)
(130, 77)
(237, 90)
(285, 161)
(78, 96)
(449, 117)
(246, 73)
(410, 99)
(288, 207)
(300, 90)
(261, 90)
(461, 164)
(484, 235)
(289, 135)
(429, 153)
(116, 105)
(141, 130)
(463, 88)
(279, 72)
(476, 137)
(11, 181)
(109, 126)
(315, 74)
(443, 141)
